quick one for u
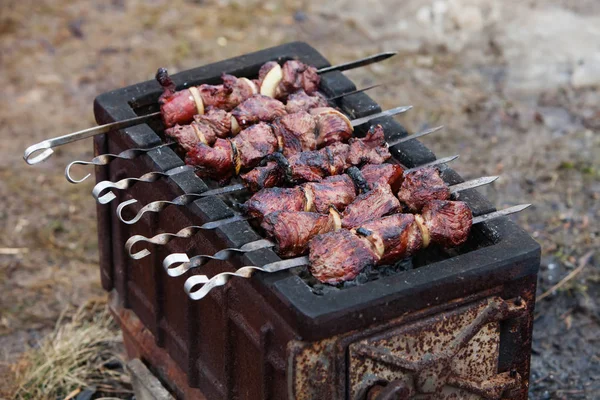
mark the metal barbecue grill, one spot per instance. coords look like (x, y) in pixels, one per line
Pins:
(442, 325)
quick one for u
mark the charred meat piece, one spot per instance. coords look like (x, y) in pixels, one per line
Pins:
(270, 200)
(337, 191)
(332, 126)
(293, 230)
(300, 101)
(309, 166)
(298, 76)
(396, 236)
(256, 109)
(215, 162)
(421, 186)
(340, 256)
(296, 132)
(447, 223)
(392, 174)
(185, 135)
(263, 177)
(380, 201)
(372, 149)
(254, 143)
(219, 121)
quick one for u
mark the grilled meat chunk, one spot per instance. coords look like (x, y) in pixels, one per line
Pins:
(309, 166)
(263, 177)
(237, 89)
(422, 186)
(298, 76)
(293, 230)
(270, 200)
(396, 236)
(300, 101)
(296, 132)
(177, 107)
(332, 126)
(254, 143)
(447, 223)
(215, 162)
(256, 109)
(337, 191)
(392, 174)
(219, 122)
(340, 256)
(372, 149)
(380, 201)
(185, 135)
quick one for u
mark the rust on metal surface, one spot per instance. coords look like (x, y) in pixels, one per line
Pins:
(439, 355)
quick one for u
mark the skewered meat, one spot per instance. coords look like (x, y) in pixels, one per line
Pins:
(185, 135)
(216, 161)
(371, 205)
(299, 76)
(448, 222)
(294, 136)
(300, 101)
(268, 201)
(253, 144)
(296, 132)
(279, 82)
(217, 120)
(392, 174)
(421, 187)
(332, 126)
(340, 256)
(370, 149)
(399, 234)
(294, 230)
(258, 108)
(312, 166)
(267, 176)
(179, 107)
(337, 191)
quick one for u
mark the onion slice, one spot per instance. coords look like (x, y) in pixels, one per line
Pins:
(271, 81)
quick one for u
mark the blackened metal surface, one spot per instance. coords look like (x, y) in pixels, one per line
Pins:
(234, 343)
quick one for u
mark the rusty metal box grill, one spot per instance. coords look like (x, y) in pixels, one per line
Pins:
(275, 337)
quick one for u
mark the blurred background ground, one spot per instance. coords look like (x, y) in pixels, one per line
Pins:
(514, 82)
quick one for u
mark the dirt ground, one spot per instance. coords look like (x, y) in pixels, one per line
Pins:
(516, 83)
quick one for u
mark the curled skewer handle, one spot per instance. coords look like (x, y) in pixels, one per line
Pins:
(104, 159)
(128, 182)
(161, 239)
(46, 146)
(177, 264)
(155, 206)
(244, 272)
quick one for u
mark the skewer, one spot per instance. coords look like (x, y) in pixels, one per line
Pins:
(44, 148)
(128, 182)
(177, 264)
(186, 199)
(247, 271)
(104, 159)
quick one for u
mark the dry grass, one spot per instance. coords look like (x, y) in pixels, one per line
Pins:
(83, 352)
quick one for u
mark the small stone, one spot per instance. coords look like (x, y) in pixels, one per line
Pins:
(222, 41)
(300, 16)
